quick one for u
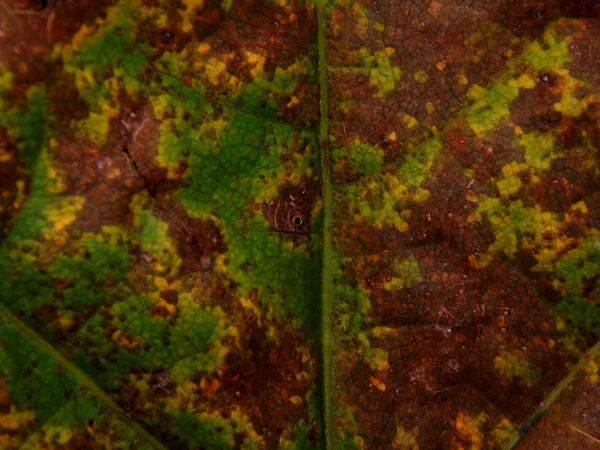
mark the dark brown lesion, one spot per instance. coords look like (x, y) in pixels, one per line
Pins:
(262, 378)
(290, 212)
(583, 9)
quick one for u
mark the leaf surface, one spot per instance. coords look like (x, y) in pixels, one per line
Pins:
(279, 224)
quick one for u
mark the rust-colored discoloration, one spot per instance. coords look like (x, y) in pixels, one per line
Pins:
(263, 379)
(32, 27)
(534, 109)
(468, 258)
(281, 32)
(453, 324)
(302, 107)
(110, 174)
(584, 9)
(574, 420)
(441, 51)
(159, 168)
(199, 242)
(290, 212)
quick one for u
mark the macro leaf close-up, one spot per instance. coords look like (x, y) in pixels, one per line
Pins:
(300, 224)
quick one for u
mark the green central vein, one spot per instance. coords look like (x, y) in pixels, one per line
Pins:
(82, 377)
(326, 335)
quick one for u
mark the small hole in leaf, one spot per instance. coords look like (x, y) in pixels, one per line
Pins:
(297, 220)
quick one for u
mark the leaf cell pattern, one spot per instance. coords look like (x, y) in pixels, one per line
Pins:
(293, 224)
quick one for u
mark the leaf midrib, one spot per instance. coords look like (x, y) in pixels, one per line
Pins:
(326, 330)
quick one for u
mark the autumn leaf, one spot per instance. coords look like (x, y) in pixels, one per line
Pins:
(297, 225)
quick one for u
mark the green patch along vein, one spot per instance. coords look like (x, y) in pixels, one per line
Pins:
(83, 379)
(326, 332)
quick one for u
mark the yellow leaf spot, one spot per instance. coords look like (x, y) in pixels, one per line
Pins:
(214, 68)
(249, 304)
(79, 38)
(376, 358)
(474, 262)
(505, 432)
(561, 243)
(121, 339)
(409, 121)
(421, 195)
(394, 284)
(161, 283)
(421, 76)
(580, 206)
(569, 104)
(591, 368)
(191, 6)
(476, 92)
(296, 400)
(65, 322)
(63, 213)
(4, 155)
(471, 196)
(400, 225)
(508, 186)
(258, 61)
(406, 440)
(468, 428)
(293, 101)
(162, 303)
(20, 197)
(203, 48)
(515, 365)
(162, 20)
(379, 332)
(385, 75)
(545, 260)
(15, 420)
(377, 383)
(64, 436)
(526, 82)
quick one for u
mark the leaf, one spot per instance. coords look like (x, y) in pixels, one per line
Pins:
(279, 224)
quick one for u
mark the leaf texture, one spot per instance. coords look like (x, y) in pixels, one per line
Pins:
(292, 225)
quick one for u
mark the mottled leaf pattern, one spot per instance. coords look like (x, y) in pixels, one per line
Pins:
(292, 224)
